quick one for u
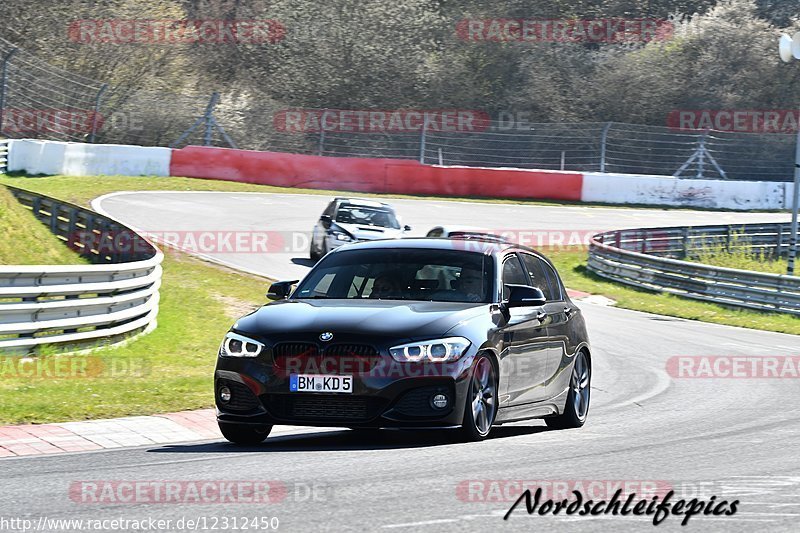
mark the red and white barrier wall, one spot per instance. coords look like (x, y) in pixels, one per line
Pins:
(397, 176)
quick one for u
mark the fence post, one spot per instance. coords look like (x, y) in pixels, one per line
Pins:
(701, 155)
(422, 142)
(97, 101)
(779, 244)
(3, 79)
(603, 143)
(321, 145)
(209, 116)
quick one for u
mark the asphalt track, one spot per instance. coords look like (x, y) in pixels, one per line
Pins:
(731, 438)
(290, 218)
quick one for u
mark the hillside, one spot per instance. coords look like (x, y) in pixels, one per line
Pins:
(26, 241)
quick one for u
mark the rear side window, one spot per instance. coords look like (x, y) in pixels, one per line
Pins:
(553, 281)
(513, 274)
(542, 276)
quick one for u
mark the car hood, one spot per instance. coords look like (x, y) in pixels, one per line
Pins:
(380, 318)
(369, 233)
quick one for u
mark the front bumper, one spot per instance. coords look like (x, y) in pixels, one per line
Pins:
(391, 394)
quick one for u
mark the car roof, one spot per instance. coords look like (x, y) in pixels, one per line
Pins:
(433, 243)
(361, 201)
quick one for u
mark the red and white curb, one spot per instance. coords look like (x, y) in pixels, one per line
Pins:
(41, 439)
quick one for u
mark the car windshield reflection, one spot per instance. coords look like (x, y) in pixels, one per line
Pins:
(401, 274)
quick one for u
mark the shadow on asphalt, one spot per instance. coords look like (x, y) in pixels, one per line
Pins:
(347, 440)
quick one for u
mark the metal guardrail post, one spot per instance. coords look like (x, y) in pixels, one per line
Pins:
(685, 242)
(96, 114)
(3, 86)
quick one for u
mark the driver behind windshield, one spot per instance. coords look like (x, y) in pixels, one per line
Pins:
(385, 286)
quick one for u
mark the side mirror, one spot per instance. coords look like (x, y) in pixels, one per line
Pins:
(524, 296)
(406, 228)
(280, 290)
(326, 221)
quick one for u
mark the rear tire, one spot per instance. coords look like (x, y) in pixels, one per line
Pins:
(480, 410)
(244, 434)
(577, 407)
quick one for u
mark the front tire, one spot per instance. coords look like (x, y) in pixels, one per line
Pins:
(577, 407)
(244, 434)
(480, 410)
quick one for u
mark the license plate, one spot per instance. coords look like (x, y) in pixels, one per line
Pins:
(320, 383)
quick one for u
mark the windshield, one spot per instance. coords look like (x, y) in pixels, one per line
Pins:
(367, 216)
(401, 274)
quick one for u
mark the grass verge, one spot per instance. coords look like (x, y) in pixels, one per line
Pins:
(26, 241)
(739, 253)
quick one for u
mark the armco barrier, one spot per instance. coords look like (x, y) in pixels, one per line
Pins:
(396, 176)
(646, 258)
(3, 155)
(79, 305)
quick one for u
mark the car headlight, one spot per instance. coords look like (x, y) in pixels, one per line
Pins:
(342, 236)
(235, 345)
(436, 351)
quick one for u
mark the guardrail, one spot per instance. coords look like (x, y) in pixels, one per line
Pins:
(3, 156)
(79, 306)
(653, 258)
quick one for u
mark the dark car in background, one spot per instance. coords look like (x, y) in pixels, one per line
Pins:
(411, 333)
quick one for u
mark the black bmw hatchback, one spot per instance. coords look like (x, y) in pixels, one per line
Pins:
(412, 333)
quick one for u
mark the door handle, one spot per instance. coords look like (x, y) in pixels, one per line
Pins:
(540, 316)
